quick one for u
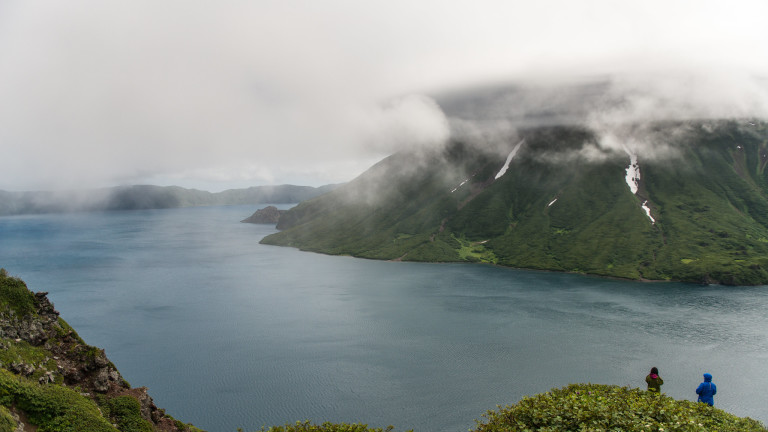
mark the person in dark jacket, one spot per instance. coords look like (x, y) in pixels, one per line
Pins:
(654, 380)
(706, 390)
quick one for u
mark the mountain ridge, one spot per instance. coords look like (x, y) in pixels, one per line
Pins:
(138, 197)
(699, 212)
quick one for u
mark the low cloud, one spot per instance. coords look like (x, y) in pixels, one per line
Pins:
(637, 104)
(414, 121)
(234, 94)
(624, 111)
(93, 95)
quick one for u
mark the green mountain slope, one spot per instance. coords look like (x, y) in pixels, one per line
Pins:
(700, 212)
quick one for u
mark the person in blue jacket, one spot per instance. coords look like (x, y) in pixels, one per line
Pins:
(706, 390)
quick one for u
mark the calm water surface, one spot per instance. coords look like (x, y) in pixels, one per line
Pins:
(228, 333)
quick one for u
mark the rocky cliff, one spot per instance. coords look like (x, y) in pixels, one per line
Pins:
(41, 355)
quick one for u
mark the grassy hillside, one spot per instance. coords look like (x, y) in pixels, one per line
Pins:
(556, 209)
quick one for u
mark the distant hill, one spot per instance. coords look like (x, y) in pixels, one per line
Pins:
(149, 197)
(696, 210)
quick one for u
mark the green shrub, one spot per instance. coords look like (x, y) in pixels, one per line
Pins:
(307, 426)
(7, 424)
(186, 427)
(22, 351)
(15, 295)
(126, 413)
(64, 329)
(52, 408)
(594, 407)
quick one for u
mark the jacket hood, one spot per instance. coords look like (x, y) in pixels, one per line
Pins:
(707, 377)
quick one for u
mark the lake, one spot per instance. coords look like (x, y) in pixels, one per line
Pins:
(228, 333)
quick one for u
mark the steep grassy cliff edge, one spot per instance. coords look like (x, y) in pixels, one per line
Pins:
(52, 381)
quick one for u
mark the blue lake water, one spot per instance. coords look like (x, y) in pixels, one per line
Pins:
(228, 333)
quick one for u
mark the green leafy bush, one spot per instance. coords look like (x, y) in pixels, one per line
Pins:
(15, 295)
(126, 412)
(595, 407)
(7, 424)
(52, 408)
(65, 329)
(307, 426)
(22, 352)
(185, 427)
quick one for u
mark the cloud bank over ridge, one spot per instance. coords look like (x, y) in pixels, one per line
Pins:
(235, 94)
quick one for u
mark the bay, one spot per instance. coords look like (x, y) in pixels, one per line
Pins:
(228, 333)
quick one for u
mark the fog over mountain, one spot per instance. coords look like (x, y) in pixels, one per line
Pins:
(141, 197)
(617, 106)
(229, 94)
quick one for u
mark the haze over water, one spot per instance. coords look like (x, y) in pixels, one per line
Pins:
(227, 333)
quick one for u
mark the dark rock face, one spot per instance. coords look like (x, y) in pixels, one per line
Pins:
(35, 330)
(79, 364)
(267, 215)
(76, 363)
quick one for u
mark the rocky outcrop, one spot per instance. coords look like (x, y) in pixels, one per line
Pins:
(267, 215)
(78, 363)
(150, 411)
(69, 360)
(32, 328)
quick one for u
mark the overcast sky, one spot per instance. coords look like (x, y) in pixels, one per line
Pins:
(227, 94)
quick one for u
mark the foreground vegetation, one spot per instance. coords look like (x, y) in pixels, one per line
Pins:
(307, 426)
(52, 408)
(593, 407)
(585, 407)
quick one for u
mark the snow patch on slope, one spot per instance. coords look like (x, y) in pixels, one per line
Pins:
(633, 178)
(633, 172)
(648, 212)
(460, 185)
(511, 155)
